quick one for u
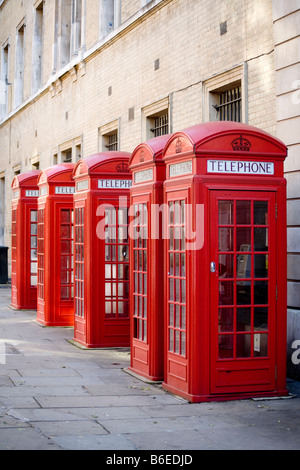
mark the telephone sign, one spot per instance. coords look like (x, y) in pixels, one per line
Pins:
(240, 167)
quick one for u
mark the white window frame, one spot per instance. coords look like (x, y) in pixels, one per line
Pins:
(4, 79)
(150, 112)
(105, 131)
(19, 63)
(212, 87)
(109, 16)
(38, 47)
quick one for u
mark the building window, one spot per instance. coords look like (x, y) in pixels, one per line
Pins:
(110, 16)
(76, 26)
(19, 70)
(68, 31)
(111, 142)
(66, 156)
(229, 105)
(69, 151)
(77, 152)
(161, 125)
(37, 52)
(145, 2)
(225, 96)
(155, 119)
(35, 163)
(17, 169)
(64, 32)
(109, 137)
(4, 82)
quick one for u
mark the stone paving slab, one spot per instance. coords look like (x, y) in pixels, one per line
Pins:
(109, 442)
(174, 441)
(102, 400)
(54, 395)
(8, 393)
(56, 429)
(26, 439)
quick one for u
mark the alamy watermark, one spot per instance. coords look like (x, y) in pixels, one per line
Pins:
(2, 352)
(295, 358)
(296, 94)
(161, 221)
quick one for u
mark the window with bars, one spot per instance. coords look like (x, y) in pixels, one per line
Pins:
(66, 255)
(111, 142)
(229, 106)
(177, 278)
(140, 271)
(66, 156)
(79, 262)
(33, 247)
(116, 263)
(40, 248)
(160, 125)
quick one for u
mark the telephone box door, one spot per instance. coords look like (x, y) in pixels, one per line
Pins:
(177, 265)
(243, 291)
(140, 252)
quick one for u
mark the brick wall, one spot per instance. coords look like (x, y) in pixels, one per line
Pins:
(184, 35)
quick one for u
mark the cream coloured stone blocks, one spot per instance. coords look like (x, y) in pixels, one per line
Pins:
(185, 35)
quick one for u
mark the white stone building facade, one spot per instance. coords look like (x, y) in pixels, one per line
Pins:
(80, 76)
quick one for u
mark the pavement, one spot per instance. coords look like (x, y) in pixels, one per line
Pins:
(56, 396)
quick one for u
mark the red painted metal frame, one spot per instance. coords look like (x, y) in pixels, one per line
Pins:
(24, 201)
(93, 328)
(147, 347)
(190, 375)
(56, 195)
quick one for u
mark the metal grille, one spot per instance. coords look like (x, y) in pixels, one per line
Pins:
(161, 125)
(67, 157)
(230, 104)
(112, 142)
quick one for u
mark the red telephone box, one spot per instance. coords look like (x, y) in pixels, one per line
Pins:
(225, 275)
(24, 241)
(55, 298)
(146, 255)
(102, 250)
